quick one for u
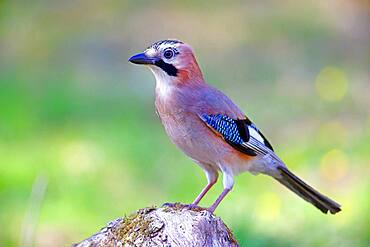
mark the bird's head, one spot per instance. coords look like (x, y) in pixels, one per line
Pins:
(171, 61)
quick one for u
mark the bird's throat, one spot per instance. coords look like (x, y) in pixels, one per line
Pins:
(164, 84)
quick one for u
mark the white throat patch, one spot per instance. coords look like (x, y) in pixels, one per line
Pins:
(163, 85)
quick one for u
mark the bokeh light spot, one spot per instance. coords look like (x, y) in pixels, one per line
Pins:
(268, 207)
(331, 84)
(334, 165)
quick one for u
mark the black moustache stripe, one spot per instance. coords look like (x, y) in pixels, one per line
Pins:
(168, 68)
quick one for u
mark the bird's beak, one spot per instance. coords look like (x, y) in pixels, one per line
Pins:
(141, 58)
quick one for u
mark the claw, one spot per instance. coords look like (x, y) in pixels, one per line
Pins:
(170, 204)
(192, 206)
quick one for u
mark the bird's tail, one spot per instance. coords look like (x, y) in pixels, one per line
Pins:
(305, 191)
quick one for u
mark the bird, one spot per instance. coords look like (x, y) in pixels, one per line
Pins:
(211, 129)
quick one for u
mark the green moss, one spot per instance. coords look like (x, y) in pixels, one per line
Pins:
(140, 224)
(135, 225)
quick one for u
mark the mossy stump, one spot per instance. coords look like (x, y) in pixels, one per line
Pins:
(170, 225)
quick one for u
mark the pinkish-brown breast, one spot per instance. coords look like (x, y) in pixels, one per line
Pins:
(179, 112)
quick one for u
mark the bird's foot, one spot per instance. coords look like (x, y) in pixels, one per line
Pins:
(171, 204)
(178, 205)
(211, 209)
(195, 207)
(192, 206)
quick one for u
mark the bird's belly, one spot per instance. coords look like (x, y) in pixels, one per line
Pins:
(198, 142)
(195, 139)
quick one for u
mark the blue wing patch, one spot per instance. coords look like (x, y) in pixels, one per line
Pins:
(236, 132)
(224, 125)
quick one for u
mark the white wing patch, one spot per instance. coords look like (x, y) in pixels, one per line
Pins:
(255, 135)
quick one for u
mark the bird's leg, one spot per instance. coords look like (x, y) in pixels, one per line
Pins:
(204, 191)
(228, 182)
(218, 200)
(212, 176)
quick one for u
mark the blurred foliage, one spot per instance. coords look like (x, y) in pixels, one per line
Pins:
(80, 143)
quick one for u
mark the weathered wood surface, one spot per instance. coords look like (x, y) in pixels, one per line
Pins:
(170, 225)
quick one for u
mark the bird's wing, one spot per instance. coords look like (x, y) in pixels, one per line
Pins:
(241, 134)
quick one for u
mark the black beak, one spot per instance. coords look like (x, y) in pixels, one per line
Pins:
(141, 58)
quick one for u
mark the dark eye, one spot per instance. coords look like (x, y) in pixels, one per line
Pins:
(168, 54)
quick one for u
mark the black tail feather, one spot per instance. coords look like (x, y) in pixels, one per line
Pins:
(305, 191)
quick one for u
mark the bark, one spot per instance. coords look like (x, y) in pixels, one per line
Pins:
(170, 225)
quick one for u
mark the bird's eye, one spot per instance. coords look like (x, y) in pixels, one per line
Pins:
(168, 54)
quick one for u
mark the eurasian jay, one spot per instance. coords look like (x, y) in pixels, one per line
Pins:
(209, 128)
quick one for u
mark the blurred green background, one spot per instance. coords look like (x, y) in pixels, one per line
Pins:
(80, 143)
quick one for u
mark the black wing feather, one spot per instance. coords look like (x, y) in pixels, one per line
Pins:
(236, 133)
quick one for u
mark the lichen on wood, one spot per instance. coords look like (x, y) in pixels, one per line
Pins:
(169, 225)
